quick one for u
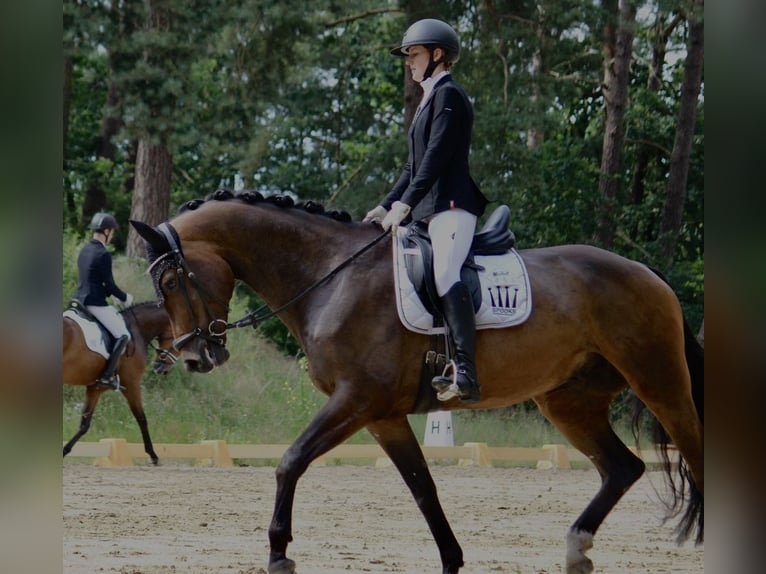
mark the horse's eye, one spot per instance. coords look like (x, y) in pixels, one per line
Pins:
(170, 285)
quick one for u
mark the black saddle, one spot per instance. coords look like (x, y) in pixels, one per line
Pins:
(82, 311)
(494, 238)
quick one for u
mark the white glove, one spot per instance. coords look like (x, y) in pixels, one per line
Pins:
(128, 300)
(376, 214)
(397, 214)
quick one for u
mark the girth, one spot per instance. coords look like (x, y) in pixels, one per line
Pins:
(494, 238)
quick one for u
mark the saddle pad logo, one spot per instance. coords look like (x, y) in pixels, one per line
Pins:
(506, 294)
(504, 300)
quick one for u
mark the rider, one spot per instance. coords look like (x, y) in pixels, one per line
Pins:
(436, 187)
(95, 284)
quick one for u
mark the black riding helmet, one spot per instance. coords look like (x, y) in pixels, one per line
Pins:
(432, 33)
(102, 222)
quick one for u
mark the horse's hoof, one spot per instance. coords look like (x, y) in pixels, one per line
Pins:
(583, 567)
(578, 543)
(284, 566)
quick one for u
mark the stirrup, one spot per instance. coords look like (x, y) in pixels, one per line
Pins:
(448, 388)
(112, 383)
(444, 390)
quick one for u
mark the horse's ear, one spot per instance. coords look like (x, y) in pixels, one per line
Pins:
(153, 237)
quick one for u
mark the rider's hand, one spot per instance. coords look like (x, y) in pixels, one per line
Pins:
(399, 211)
(376, 214)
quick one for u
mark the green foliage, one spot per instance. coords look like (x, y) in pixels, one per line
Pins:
(71, 248)
(688, 281)
(273, 329)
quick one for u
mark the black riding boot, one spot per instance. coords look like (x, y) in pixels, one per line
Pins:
(109, 378)
(459, 315)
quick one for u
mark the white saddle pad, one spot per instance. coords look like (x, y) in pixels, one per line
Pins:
(94, 339)
(506, 295)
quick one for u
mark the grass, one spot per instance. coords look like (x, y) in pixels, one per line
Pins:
(260, 396)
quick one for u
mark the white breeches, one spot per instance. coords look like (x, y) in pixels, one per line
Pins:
(111, 319)
(451, 236)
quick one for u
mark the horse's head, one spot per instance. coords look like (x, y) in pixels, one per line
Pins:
(165, 354)
(195, 285)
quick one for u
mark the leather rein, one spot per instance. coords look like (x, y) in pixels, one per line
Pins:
(216, 330)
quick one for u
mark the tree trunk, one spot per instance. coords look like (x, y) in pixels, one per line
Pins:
(130, 172)
(151, 197)
(154, 161)
(618, 48)
(687, 115)
(662, 32)
(535, 133)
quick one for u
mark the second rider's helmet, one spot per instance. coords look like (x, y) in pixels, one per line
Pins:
(102, 222)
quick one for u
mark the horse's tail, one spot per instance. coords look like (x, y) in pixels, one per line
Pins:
(683, 489)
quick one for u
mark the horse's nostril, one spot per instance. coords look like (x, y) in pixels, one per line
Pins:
(198, 365)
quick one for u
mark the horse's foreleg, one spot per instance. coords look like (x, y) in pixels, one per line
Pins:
(335, 422)
(91, 400)
(580, 412)
(400, 444)
(133, 395)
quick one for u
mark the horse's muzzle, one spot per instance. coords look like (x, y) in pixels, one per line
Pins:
(204, 350)
(205, 356)
(161, 367)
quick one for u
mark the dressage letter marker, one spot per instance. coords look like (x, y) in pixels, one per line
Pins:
(439, 429)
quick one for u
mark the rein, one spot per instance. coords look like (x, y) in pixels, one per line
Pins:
(218, 327)
(253, 318)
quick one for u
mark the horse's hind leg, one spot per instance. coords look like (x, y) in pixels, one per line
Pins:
(580, 411)
(91, 400)
(400, 444)
(672, 387)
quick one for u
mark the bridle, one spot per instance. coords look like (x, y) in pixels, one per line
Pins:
(216, 329)
(164, 355)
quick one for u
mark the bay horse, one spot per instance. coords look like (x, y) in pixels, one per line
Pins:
(146, 322)
(600, 323)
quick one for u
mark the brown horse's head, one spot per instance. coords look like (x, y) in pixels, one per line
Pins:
(195, 285)
(165, 354)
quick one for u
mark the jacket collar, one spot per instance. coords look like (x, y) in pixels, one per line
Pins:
(429, 84)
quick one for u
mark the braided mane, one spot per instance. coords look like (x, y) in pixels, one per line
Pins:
(251, 197)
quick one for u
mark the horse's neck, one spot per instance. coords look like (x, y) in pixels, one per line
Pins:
(283, 254)
(150, 321)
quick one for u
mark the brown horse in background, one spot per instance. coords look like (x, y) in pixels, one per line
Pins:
(600, 323)
(146, 322)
